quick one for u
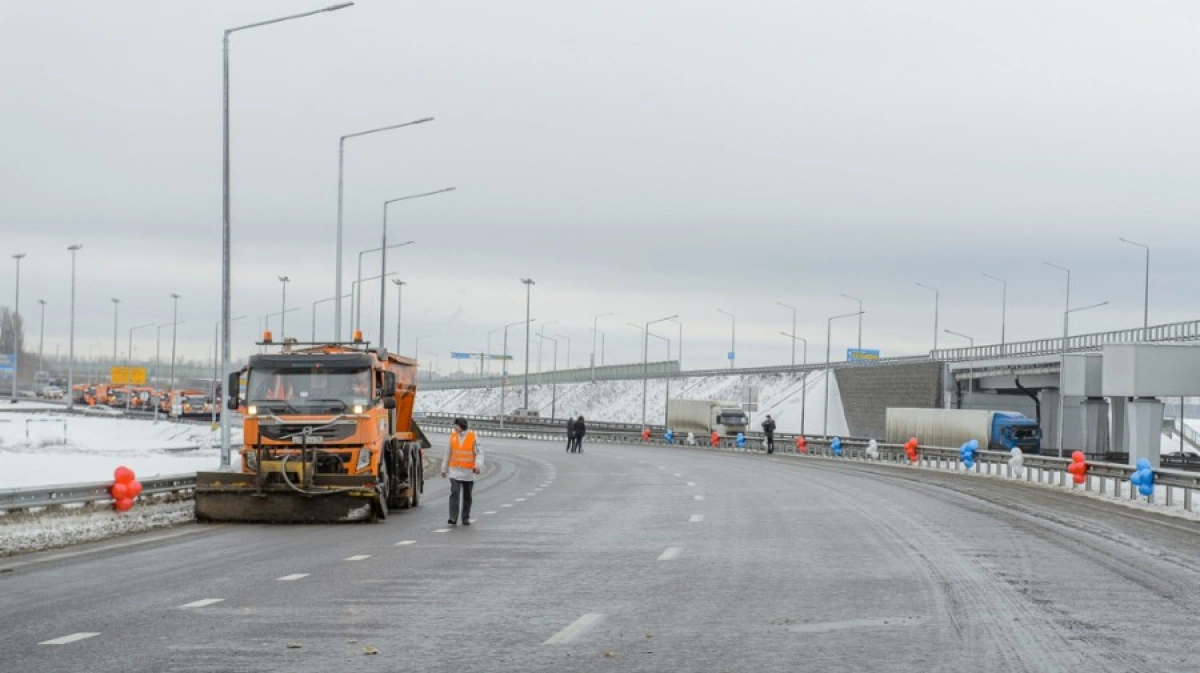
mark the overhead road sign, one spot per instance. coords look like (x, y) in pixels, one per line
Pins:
(861, 355)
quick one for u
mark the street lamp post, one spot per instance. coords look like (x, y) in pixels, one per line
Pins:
(829, 369)
(732, 338)
(1067, 302)
(646, 360)
(504, 365)
(399, 309)
(793, 309)
(226, 279)
(667, 379)
(860, 312)
(71, 350)
(970, 340)
(1146, 299)
(115, 302)
(679, 355)
(356, 287)
(568, 339)
(553, 381)
(15, 332)
(314, 315)
(174, 336)
(936, 303)
(42, 337)
(528, 294)
(383, 254)
(541, 336)
(129, 360)
(356, 302)
(595, 331)
(417, 348)
(158, 357)
(1003, 306)
(283, 282)
(804, 379)
(1062, 368)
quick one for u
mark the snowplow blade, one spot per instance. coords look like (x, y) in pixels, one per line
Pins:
(236, 497)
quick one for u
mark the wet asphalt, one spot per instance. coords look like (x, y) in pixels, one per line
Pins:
(628, 558)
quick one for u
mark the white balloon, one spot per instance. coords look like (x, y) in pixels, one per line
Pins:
(691, 439)
(872, 449)
(1016, 461)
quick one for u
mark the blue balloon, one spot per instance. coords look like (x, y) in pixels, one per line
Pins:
(670, 436)
(967, 453)
(741, 440)
(1146, 489)
(836, 446)
(1143, 464)
(1143, 478)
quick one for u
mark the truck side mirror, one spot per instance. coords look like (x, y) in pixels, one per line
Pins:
(389, 402)
(232, 391)
(389, 384)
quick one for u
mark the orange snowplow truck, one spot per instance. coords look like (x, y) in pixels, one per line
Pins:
(328, 436)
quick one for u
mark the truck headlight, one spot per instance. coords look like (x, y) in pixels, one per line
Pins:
(358, 409)
(251, 459)
(364, 459)
(252, 410)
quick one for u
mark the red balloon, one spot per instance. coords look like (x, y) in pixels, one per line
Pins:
(123, 474)
(1079, 477)
(1078, 457)
(134, 488)
(119, 491)
(124, 504)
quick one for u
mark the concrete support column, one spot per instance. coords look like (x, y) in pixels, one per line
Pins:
(1095, 425)
(1145, 416)
(1120, 428)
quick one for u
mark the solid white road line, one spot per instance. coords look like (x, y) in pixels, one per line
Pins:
(576, 629)
(291, 578)
(697, 497)
(404, 543)
(201, 604)
(358, 557)
(69, 639)
(671, 554)
(696, 518)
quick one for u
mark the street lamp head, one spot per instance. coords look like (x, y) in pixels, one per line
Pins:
(174, 296)
(528, 281)
(397, 281)
(284, 279)
(116, 301)
(75, 247)
(334, 8)
(18, 256)
(1056, 266)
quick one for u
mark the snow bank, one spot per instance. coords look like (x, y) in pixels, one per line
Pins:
(21, 533)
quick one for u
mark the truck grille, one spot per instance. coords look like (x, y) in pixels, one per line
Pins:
(323, 432)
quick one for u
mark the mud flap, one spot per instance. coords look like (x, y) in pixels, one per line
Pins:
(228, 496)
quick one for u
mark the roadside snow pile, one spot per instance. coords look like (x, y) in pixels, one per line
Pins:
(21, 533)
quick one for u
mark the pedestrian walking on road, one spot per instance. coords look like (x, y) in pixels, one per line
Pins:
(462, 463)
(580, 431)
(768, 427)
(570, 435)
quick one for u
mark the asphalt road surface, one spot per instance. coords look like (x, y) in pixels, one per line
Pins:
(628, 558)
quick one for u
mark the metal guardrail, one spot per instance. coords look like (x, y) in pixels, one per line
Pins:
(80, 494)
(1179, 331)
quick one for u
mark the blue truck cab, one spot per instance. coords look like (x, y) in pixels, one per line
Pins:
(1011, 429)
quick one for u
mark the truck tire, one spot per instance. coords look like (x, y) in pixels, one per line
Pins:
(383, 487)
(395, 499)
(416, 472)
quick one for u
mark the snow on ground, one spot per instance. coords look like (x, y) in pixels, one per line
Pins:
(781, 395)
(69, 449)
(21, 533)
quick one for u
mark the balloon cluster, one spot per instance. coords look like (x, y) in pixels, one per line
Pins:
(691, 439)
(125, 488)
(872, 449)
(801, 445)
(669, 436)
(645, 434)
(836, 446)
(715, 439)
(967, 453)
(1143, 478)
(1016, 461)
(741, 440)
(910, 448)
(1078, 467)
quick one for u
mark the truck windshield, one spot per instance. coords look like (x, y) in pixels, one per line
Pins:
(310, 389)
(735, 418)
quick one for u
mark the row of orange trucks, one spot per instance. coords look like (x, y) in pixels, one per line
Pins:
(175, 403)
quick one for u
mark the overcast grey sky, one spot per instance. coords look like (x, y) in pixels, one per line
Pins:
(642, 158)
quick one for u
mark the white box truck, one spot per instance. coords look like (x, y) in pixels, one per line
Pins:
(702, 417)
(951, 428)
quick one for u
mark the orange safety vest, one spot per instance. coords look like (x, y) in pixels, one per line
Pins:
(462, 452)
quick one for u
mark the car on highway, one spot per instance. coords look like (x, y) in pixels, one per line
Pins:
(102, 410)
(51, 393)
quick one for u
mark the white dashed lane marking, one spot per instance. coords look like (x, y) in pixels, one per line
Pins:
(201, 603)
(506, 505)
(576, 629)
(520, 499)
(69, 639)
(671, 554)
(691, 483)
(404, 543)
(696, 518)
(291, 578)
(491, 512)
(697, 497)
(358, 557)
(442, 530)
(676, 474)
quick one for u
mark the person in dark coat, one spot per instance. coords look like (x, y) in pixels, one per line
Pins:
(570, 435)
(768, 427)
(580, 431)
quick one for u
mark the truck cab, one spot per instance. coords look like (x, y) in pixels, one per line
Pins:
(1011, 429)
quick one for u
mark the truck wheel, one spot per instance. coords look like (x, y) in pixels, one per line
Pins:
(394, 500)
(416, 476)
(383, 489)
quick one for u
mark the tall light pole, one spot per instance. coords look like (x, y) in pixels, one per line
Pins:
(553, 381)
(71, 351)
(541, 337)
(42, 337)
(829, 369)
(1003, 306)
(314, 316)
(356, 302)
(283, 282)
(646, 359)
(732, 337)
(793, 310)
(804, 379)
(216, 382)
(115, 302)
(504, 365)
(1146, 300)
(225, 210)
(568, 340)
(16, 336)
(399, 309)
(417, 348)
(679, 356)
(666, 379)
(595, 331)
(860, 315)
(970, 339)
(158, 357)
(528, 294)
(1062, 368)
(383, 254)
(129, 360)
(936, 303)
(1067, 303)
(174, 336)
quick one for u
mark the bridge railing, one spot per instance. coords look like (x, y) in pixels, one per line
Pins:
(1180, 331)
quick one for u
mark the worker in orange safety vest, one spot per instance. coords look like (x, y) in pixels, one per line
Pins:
(462, 463)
